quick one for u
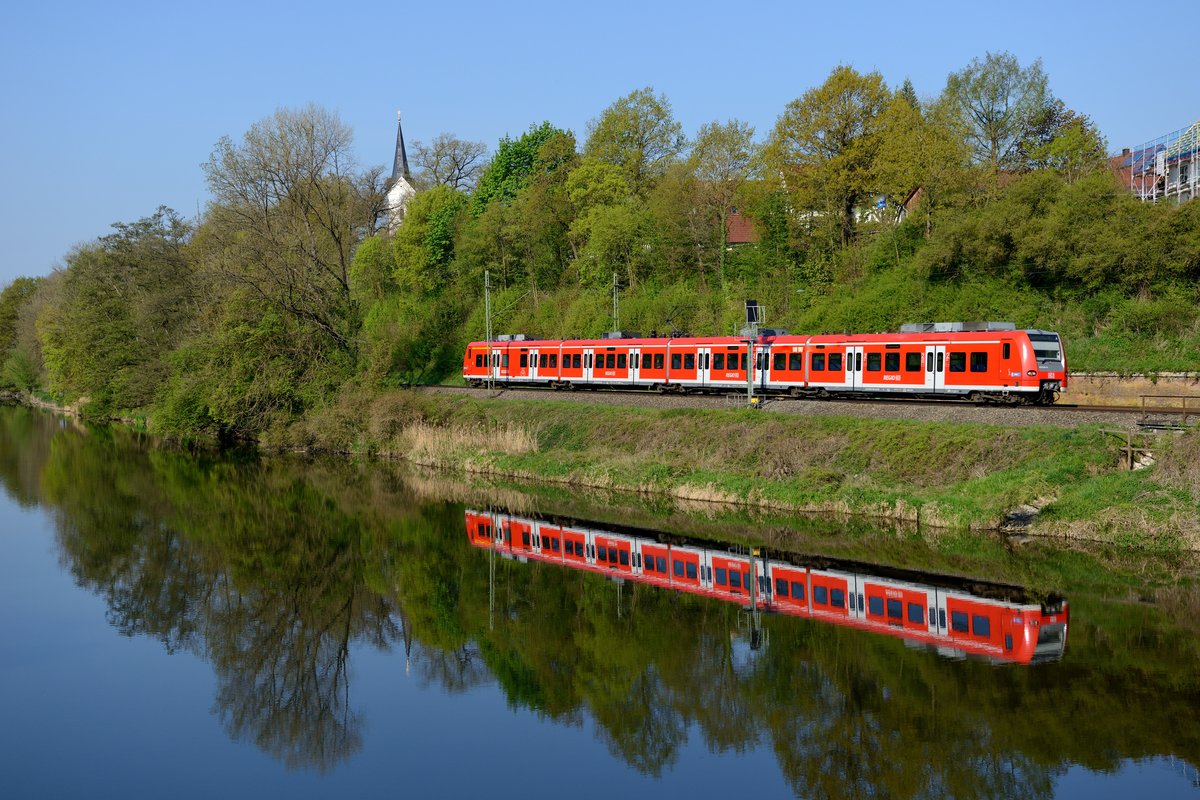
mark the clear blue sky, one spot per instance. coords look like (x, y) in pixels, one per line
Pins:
(109, 108)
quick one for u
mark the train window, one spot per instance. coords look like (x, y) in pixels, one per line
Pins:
(796, 362)
(895, 609)
(942, 618)
(891, 362)
(479, 359)
(504, 360)
(835, 362)
(744, 359)
(1007, 353)
(735, 579)
(624, 556)
(781, 587)
(798, 591)
(677, 565)
(932, 617)
(661, 563)
(525, 538)
(760, 361)
(837, 598)
(858, 362)
(958, 621)
(821, 595)
(524, 360)
(721, 579)
(658, 360)
(691, 570)
(645, 361)
(852, 601)
(780, 362)
(912, 362)
(1008, 641)
(875, 606)
(929, 362)
(873, 360)
(575, 361)
(981, 625)
(602, 553)
(610, 361)
(916, 613)
(554, 361)
(689, 360)
(958, 362)
(621, 361)
(818, 362)
(718, 361)
(978, 362)
(940, 361)
(676, 361)
(554, 544)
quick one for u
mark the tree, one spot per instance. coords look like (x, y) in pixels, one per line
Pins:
(12, 299)
(921, 152)
(999, 104)
(1063, 140)
(514, 165)
(638, 134)
(126, 302)
(824, 144)
(448, 161)
(288, 209)
(424, 245)
(722, 159)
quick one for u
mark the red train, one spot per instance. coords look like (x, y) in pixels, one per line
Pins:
(954, 622)
(979, 361)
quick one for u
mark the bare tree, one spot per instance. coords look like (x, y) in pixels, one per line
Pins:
(449, 161)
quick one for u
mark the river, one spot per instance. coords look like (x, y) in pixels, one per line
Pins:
(194, 625)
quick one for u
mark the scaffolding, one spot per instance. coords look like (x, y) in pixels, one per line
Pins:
(1167, 168)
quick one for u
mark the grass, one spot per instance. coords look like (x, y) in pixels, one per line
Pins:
(940, 475)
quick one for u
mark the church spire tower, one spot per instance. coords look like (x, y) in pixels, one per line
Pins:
(399, 188)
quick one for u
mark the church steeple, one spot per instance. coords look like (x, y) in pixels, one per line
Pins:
(400, 186)
(400, 164)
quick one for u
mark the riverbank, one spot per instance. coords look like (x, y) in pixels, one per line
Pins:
(1039, 480)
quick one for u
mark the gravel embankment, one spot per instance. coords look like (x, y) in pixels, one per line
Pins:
(927, 411)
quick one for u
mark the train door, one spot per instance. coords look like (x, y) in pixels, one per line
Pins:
(704, 366)
(935, 367)
(589, 356)
(494, 363)
(854, 367)
(762, 362)
(533, 364)
(635, 364)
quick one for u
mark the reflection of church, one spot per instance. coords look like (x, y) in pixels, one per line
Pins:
(399, 186)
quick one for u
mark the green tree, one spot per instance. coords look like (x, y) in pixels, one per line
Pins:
(424, 244)
(13, 298)
(515, 163)
(723, 159)
(999, 104)
(289, 206)
(824, 146)
(127, 301)
(639, 134)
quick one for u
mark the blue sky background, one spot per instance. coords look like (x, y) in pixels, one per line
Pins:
(109, 109)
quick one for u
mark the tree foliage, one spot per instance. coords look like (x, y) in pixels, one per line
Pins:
(999, 104)
(638, 134)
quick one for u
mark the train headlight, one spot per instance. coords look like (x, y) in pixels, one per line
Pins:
(1031, 373)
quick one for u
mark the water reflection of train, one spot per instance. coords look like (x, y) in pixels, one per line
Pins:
(995, 623)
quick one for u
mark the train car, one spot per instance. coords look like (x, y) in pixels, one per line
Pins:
(984, 362)
(953, 622)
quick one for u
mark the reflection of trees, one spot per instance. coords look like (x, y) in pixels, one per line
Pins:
(274, 571)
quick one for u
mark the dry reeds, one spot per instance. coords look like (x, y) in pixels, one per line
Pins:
(452, 446)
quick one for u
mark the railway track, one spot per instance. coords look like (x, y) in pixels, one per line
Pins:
(776, 398)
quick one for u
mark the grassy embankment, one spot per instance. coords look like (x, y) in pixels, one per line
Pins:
(940, 475)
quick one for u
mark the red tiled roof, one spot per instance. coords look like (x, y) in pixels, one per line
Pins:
(739, 229)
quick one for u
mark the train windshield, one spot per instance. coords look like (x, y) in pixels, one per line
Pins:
(1052, 640)
(1046, 347)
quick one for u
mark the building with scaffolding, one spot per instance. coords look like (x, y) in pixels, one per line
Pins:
(1167, 168)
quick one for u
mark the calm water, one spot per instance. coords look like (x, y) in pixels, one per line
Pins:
(188, 627)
